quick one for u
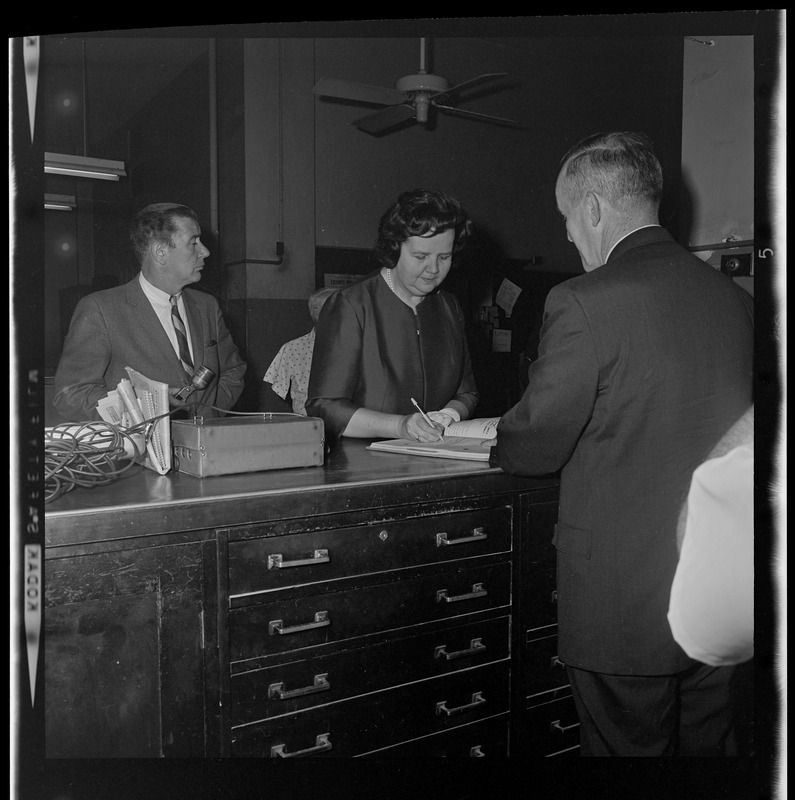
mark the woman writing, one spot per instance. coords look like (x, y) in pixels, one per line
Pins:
(395, 335)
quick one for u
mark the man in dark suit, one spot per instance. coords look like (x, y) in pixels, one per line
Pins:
(151, 324)
(644, 363)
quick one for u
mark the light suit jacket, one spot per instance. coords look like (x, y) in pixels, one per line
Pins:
(117, 328)
(644, 363)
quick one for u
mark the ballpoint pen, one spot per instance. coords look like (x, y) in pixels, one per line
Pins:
(426, 417)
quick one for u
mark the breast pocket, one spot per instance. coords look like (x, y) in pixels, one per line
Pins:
(210, 357)
(576, 541)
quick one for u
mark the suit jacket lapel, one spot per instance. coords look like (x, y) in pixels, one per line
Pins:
(147, 322)
(196, 325)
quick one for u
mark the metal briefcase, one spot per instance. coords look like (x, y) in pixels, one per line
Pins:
(220, 446)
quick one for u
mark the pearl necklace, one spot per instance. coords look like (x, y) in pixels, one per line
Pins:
(390, 281)
(391, 284)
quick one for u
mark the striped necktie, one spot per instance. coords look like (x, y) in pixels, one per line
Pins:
(182, 339)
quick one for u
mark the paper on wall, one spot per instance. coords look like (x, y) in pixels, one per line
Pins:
(507, 295)
(500, 340)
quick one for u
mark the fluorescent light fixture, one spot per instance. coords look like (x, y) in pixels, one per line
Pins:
(59, 202)
(83, 166)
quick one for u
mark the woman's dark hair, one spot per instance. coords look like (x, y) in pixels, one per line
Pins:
(156, 221)
(420, 212)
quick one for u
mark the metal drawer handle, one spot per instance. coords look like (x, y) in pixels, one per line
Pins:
(556, 726)
(277, 625)
(322, 743)
(477, 700)
(278, 692)
(475, 646)
(478, 534)
(476, 752)
(555, 662)
(477, 591)
(277, 560)
(554, 596)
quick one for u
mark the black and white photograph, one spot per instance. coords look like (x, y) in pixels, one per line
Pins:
(383, 420)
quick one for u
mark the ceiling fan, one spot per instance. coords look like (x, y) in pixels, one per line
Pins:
(411, 98)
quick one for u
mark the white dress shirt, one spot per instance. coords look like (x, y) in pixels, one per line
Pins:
(625, 236)
(161, 303)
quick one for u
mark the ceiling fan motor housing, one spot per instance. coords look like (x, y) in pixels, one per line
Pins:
(421, 83)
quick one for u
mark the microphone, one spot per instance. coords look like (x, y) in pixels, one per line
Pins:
(200, 379)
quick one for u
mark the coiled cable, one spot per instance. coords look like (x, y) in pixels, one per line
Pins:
(86, 454)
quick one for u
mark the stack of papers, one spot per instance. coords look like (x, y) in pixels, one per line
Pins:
(136, 401)
(470, 440)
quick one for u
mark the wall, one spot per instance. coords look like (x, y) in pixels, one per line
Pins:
(718, 146)
(558, 89)
(267, 205)
(165, 152)
(718, 137)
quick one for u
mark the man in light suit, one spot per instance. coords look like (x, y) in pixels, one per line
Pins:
(133, 325)
(644, 363)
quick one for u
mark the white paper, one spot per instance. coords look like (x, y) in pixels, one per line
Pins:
(132, 403)
(481, 428)
(501, 340)
(467, 440)
(153, 399)
(507, 295)
(111, 409)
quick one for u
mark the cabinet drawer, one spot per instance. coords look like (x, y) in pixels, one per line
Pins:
(382, 719)
(321, 679)
(552, 729)
(478, 740)
(299, 622)
(540, 598)
(275, 562)
(544, 671)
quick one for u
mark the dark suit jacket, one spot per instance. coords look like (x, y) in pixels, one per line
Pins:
(644, 363)
(117, 328)
(372, 351)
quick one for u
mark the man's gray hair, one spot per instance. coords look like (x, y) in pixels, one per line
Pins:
(621, 166)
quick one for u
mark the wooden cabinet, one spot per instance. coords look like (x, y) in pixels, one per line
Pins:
(378, 607)
(126, 662)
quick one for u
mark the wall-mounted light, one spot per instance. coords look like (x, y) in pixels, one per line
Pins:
(83, 166)
(59, 202)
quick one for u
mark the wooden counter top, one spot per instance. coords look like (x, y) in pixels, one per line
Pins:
(143, 503)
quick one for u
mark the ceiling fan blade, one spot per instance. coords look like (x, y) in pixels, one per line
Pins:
(387, 118)
(475, 114)
(453, 90)
(361, 92)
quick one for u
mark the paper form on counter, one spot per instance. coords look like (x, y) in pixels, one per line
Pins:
(468, 440)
